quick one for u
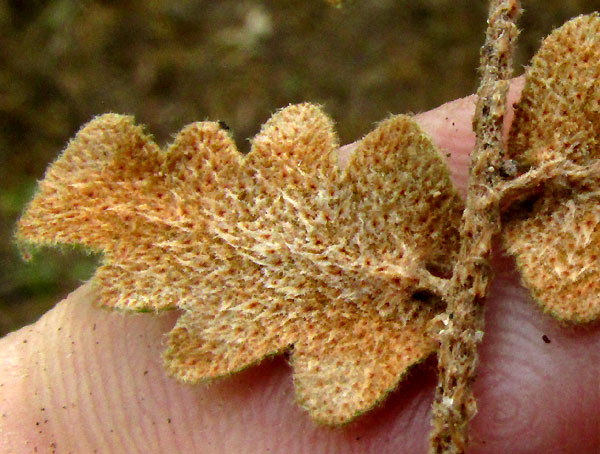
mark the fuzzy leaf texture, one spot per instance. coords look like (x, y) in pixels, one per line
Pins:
(273, 251)
(555, 236)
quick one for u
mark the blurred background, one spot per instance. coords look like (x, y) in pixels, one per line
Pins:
(171, 62)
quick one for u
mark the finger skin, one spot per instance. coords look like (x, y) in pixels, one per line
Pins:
(84, 379)
(451, 129)
(100, 371)
(539, 385)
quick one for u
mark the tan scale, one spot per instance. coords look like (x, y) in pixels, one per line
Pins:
(276, 250)
(557, 243)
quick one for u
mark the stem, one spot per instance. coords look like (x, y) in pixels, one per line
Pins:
(561, 169)
(463, 321)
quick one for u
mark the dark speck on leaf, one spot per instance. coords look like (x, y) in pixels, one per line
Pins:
(546, 339)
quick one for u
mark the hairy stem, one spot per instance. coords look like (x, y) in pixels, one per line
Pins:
(560, 169)
(461, 326)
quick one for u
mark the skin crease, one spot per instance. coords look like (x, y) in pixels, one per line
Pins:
(84, 379)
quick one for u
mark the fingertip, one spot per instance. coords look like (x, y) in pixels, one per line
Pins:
(451, 129)
(18, 432)
(88, 378)
(69, 377)
(538, 387)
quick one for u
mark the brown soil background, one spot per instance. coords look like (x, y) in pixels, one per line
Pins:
(173, 62)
